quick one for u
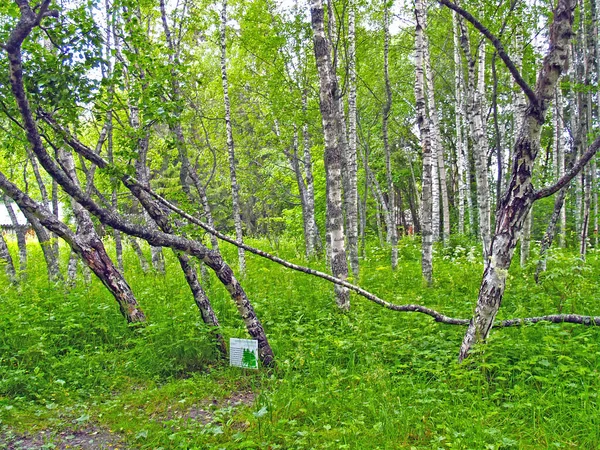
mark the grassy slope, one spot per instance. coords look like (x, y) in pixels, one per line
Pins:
(369, 379)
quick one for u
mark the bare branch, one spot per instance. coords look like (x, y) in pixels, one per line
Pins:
(499, 48)
(567, 177)
(555, 318)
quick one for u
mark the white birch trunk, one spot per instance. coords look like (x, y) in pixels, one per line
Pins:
(423, 123)
(560, 158)
(393, 230)
(5, 256)
(235, 191)
(314, 236)
(437, 149)
(480, 146)
(330, 113)
(351, 196)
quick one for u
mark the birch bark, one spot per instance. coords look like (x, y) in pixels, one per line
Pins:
(89, 246)
(329, 104)
(480, 144)
(5, 256)
(20, 233)
(437, 148)
(351, 196)
(520, 194)
(313, 232)
(458, 124)
(235, 189)
(423, 123)
(393, 230)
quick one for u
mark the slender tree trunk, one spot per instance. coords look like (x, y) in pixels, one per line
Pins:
(480, 144)
(5, 256)
(423, 123)
(235, 190)
(393, 230)
(461, 148)
(437, 148)
(48, 249)
(333, 153)
(138, 251)
(72, 269)
(520, 194)
(20, 233)
(314, 236)
(526, 237)
(586, 212)
(550, 231)
(351, 196)
(560, 158)
(295, 165)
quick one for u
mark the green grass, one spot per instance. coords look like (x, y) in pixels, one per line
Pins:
(371, 378)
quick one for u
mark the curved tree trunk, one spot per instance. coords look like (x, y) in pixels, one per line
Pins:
(94, 255)
(520, 195)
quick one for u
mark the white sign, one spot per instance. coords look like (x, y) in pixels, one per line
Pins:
(243, 353)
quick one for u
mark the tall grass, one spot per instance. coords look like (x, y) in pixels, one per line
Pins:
(370, 378)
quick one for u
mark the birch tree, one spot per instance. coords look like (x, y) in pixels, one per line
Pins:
(391, 190)
(520, 194)
(423, 123)
(331, 118)
(235, 189)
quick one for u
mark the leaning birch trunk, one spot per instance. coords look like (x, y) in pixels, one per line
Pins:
(458, 124)
(27, 22)
(96, 258)
(235, 190)
(329, 105)
(423, 123)
(351, 196)
(436, 143)
(393, 230)
(5, 256)
(520, 194)
(480, 144)
(20, 233)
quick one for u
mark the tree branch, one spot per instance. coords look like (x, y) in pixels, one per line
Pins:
(567, 177)
(499, 48)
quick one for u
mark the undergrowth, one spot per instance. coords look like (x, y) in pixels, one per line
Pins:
(371, 378)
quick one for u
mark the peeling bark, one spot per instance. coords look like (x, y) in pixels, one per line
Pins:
(519, 196)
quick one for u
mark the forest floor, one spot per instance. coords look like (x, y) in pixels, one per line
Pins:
(74, 375)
